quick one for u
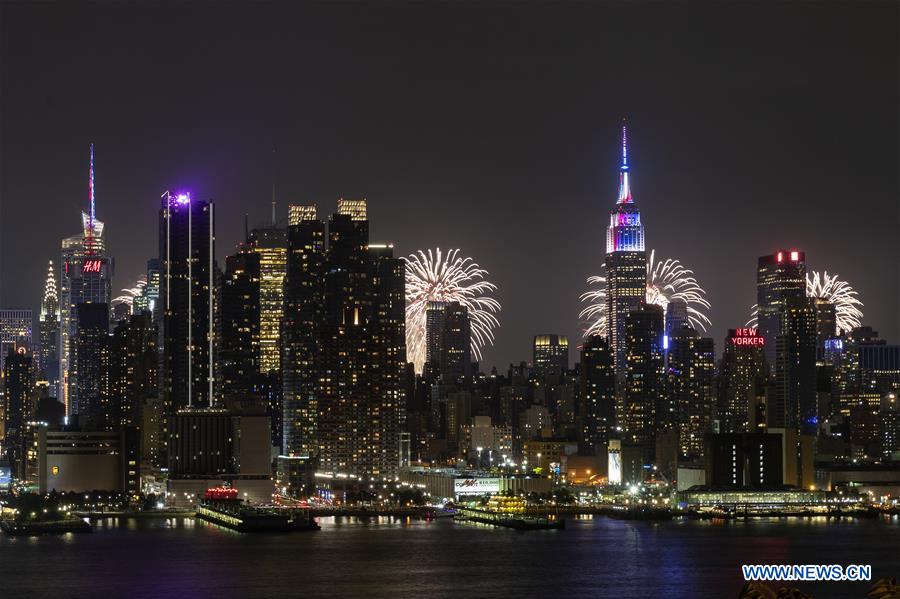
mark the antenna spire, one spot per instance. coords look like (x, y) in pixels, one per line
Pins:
(89, 241)
(624, 187)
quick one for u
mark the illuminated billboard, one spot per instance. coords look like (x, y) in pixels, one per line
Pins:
(746, 336)
(615, 462)
(476, 486)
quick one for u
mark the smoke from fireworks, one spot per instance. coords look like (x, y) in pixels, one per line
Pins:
(436, 276)
(830, 288)
(667, 281)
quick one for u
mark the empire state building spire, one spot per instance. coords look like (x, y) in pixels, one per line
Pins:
(624, 187)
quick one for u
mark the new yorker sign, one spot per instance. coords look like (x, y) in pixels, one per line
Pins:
(746, 336)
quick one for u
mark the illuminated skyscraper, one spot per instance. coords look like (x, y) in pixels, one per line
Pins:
(239, 345)
(187, 289)
(85, 279)
(550, 356)
(794, 403)
(133, 376)
(15, 331)
(362, 350)
(270, 244)
(91, 361)
(690, 371)
(741, 380)
(456, 345)
(18, 382)
(434, 327)
(303, 305)
(597, 409)
(49, 333)
(779, 277)
(644, 390)
(626, 262)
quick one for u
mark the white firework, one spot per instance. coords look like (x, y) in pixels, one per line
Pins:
(434, 276)
(667, 281)
(129, 293)
(833, 290)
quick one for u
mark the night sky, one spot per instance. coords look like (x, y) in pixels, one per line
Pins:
(489, 127)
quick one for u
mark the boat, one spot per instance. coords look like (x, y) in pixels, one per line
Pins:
(221, 506)
(35, 528)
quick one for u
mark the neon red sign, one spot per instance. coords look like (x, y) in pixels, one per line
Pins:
(746, 336)
(91, 266)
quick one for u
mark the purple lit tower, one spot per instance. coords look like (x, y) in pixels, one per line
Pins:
(626, 262)
(187, 289)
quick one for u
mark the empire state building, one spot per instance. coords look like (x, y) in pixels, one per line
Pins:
(626, 262)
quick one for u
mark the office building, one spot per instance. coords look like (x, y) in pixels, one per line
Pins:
(795, 403)
(15, 332)
(690, 372)
(361, 350)
(187, 289)
(239, 349)
(744, 460)
(626, 262)
(86, 276)
(456, 345)
(133, 372)
(779, 277)
(18, 383)
(303, 308)
(434, 328)
(597, 395)
(48, 326)
(644, 389)
(550, 356)
(91, 368)
(741, 379)
(270, 245)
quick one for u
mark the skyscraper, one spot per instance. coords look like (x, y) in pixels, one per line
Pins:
(550, 356)
(361, 343)
(303, 308)
(15, 331)
(456, 345)
(270, 244)
(239, 349)
(826, 321)
(644, 390)
(85, 279)
(187, 288)
(741, 379)
(91, 368)
(133, 377)
(779, 277)
(795, 368)
(597, 393)
(434, 327)
(690, 370)
(626, 262)
(18, 382)
(49, 333)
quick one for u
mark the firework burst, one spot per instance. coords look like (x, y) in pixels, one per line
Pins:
(833, 290)
(667, 281)
(446, 277)
(128, 294)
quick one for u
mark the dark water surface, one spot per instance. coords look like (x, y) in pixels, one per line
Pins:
(593, 557)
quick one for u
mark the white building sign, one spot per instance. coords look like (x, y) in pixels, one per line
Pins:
(476, 486)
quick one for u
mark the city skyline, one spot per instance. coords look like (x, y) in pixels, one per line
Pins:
(685, 168)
